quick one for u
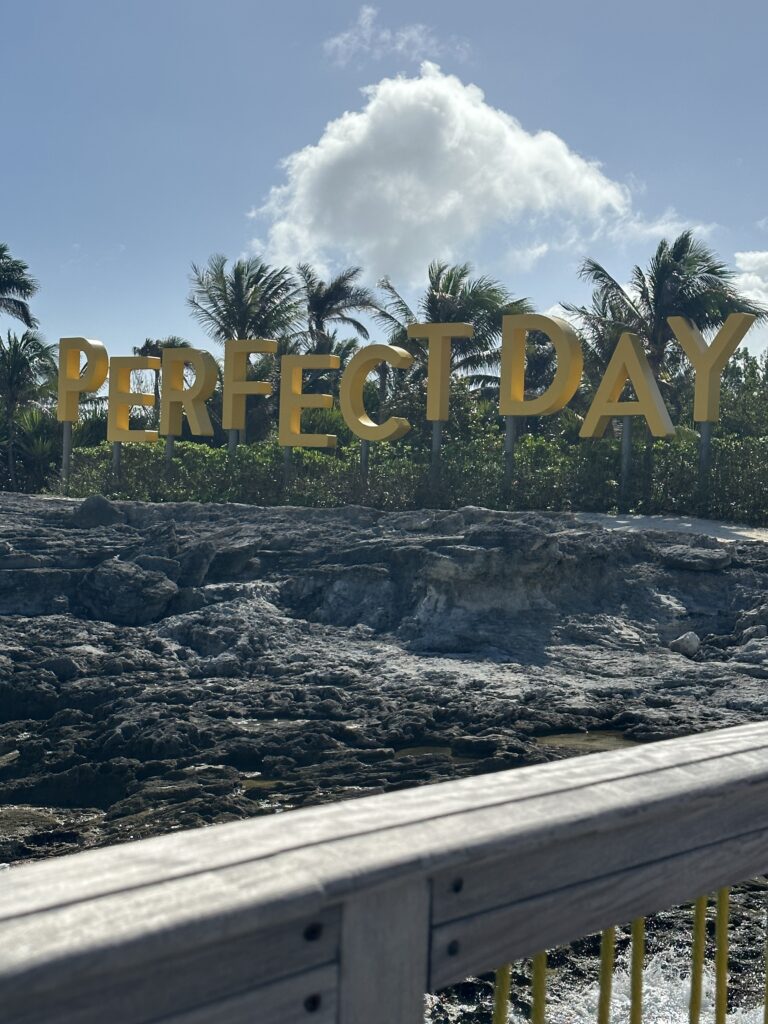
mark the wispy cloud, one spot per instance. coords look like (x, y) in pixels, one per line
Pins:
(368, 40)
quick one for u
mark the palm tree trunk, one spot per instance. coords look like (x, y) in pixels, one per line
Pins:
(383, 382)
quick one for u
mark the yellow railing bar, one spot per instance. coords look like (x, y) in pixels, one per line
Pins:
(607, 955)
(501, 994)
(636, 971)
(697, 958)
(721, 956)
(539, 989)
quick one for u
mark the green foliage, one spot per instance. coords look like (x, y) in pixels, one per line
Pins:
(552, 469)
(549, 474)
(16, 287)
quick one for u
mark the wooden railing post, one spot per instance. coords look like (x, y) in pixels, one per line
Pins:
(385, 956)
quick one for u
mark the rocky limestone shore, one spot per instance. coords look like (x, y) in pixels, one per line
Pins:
(171, 666)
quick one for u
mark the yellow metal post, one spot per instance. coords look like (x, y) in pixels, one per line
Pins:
(607, 956)
(539, 989)
(501, 995)
(636, 977)
(721, 956)
(697, 958)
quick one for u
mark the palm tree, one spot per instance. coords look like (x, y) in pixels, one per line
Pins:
(250, 300)
(154, 347)
(37, 444)
(452, 296)
(27, 372)
(16, 286)
(332, 303)
(684, 278)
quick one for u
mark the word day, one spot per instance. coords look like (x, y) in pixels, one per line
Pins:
(178, 397)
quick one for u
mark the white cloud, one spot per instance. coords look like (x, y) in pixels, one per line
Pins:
(752, 279)
(666, 225)
(426, 170)
(367, 39)
(527, 258)
(752, 276)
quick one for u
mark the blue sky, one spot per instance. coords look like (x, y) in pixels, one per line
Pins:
(142, 136)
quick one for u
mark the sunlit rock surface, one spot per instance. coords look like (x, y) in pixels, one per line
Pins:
(169, 666)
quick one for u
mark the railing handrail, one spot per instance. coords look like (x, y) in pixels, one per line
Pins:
(366, 904)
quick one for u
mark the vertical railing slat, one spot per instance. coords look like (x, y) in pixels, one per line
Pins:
(636, 971)
(697, 958)
(539, 989)
(607, 957)
(384, 957)
(721, 956)
(501, 988)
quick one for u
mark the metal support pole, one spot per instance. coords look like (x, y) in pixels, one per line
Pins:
(66, 455)
(437, 444)
(364, 452)
(626, 462)
(232, 436)
(705, 463)
(117, 451)
(510, 436)
(170, 441)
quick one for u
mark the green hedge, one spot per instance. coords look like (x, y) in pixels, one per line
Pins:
(547, 474)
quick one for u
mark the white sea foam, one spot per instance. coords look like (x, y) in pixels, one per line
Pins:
(666, 991)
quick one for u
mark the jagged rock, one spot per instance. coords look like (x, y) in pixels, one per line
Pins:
(96, 511)
(194, 562)
(170, 567)
(124, 593)
(681, 556)
(186, 663)
(687, 644)
(63, 667)
(754, 633)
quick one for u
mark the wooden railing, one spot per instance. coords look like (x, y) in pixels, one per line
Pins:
(351, 911)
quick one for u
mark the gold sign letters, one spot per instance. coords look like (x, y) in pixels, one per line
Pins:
(629, 373)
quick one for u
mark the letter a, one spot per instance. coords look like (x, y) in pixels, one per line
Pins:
(628, 364)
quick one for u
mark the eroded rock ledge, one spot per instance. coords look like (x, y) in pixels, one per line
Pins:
(166, 666)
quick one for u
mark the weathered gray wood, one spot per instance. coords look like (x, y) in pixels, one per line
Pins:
(520, 929)
(116, 869)
(385, 956)
(304, 998)
(148, 979)
(542, 855)
(621, 842)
